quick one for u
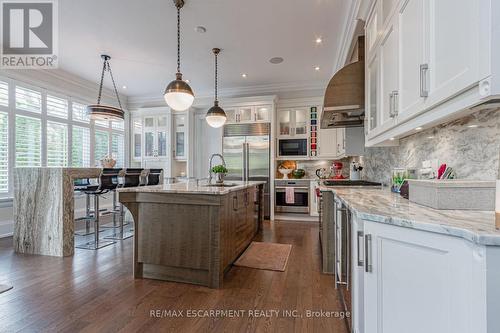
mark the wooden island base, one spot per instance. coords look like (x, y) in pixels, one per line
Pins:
(192, 237)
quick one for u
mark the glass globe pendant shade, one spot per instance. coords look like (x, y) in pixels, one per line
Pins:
(216, 117)
(178, 95)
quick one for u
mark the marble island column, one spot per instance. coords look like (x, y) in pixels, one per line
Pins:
(44, 209)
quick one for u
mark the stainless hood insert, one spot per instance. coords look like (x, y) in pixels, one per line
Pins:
(344, 103)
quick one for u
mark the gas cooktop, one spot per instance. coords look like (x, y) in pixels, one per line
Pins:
(347, 182)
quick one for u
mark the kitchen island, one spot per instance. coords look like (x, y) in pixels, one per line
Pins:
(44, 209)
(188, 232)
(388, 250)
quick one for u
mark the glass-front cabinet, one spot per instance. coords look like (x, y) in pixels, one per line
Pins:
(180, 136)
(150, 139)
(293, 122)
(248, 114)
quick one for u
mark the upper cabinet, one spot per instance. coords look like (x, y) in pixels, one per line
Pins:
(293, 122)
(248, 114)
(180, 136)
(426, 56)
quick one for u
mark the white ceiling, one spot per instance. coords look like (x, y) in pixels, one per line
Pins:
(141, 38)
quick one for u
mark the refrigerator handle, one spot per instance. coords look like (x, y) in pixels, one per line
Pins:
(245, 157)
(247, 165)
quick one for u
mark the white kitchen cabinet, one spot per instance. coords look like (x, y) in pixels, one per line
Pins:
(416, 281)
(412, 55)
(452, 44)
(327, 143)
(180, 137)
(372, 95)
(389, 76)
(293, 122)
(313, 199)
(433, 61)
(340, 140)
(248, 114)
(357, 269)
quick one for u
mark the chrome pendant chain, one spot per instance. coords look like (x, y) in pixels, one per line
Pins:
(107, 67)
(216, 74)
(178, 39)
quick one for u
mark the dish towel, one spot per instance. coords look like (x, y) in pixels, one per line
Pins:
(290, 195)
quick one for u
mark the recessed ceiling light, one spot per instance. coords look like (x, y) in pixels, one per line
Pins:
(319, 40)
(418, 129)
(276, 60)
(244, 75)
(124, 87)
(430, 137)
(200, 29)
(392, 139)
(316, 68)
(473, 126)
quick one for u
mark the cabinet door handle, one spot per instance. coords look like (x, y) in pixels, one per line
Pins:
(391, 104)
(235, 203)
(395, 100)
(368, 254)
(423, 80)
(361, 262)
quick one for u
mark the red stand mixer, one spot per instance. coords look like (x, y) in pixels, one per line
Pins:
(337, 170)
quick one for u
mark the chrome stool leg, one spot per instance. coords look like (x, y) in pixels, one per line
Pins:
(87, 218)
(121, 234)
(97, 243)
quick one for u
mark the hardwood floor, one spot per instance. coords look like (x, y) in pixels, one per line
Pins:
(95, 292)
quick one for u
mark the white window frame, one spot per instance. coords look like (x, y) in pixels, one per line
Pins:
(12, 112)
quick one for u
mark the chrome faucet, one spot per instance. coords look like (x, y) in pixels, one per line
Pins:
(210, 166)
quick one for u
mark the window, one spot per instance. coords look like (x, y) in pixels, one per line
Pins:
(28, 100)
(102, 123)
(118, 125)
(28, 141)
(80, 150)
(4, 93)
(57, 144)
(80, 112)
(101, 147)
(57, 107)
(4, 153)
(137, 138)
(118, 148)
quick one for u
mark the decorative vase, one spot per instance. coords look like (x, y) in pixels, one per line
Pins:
(108, 162)
(219, 177)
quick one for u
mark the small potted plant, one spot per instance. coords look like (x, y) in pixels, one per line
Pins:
(220, 171)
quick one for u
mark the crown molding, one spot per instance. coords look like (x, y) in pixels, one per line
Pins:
(348, 33)
(227, 94)
(59, 81)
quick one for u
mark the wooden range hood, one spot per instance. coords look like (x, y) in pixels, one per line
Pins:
(344, 103)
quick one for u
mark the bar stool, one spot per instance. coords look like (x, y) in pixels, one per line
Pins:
(107, 181)
(154, 177)
(81, 185)
(132, 178)
(115, 210)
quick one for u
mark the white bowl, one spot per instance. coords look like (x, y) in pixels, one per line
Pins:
(285, 172)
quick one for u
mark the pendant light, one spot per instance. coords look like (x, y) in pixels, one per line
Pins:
(216, 117)
(106, 112)
(178, 94)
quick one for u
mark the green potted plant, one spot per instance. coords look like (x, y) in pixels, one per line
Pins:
(220, 171)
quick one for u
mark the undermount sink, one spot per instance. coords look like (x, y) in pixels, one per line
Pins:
(220, 185)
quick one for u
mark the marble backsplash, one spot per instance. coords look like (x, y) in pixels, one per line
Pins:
(310, 167)
(470, 145)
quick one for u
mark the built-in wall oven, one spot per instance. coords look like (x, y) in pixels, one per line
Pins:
(292, 196)
(292, 147)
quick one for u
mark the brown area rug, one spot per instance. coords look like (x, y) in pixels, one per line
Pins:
(4, 288)
(269, 256)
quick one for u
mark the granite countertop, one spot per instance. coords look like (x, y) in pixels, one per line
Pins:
(191, 188)
(383, 206)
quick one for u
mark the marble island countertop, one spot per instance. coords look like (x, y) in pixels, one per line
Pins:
(192, 188)
(383, 206)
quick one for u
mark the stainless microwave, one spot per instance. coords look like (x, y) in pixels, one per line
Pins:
(292, 147)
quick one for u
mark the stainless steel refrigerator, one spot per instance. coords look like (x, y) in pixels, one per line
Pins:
(246, 150)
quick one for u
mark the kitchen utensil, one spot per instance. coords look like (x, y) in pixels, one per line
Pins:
(355, 171)
(322, 173)
(398, 177)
